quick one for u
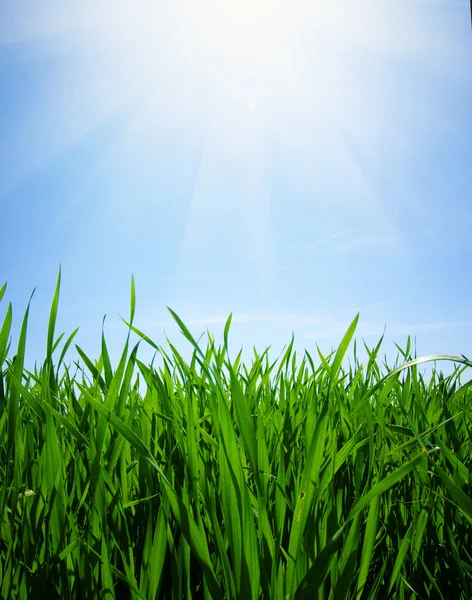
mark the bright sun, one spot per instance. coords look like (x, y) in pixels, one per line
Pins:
(238, 49)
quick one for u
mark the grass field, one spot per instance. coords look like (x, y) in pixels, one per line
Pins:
(300, 478)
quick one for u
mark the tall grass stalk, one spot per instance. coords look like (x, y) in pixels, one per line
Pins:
(283, 480)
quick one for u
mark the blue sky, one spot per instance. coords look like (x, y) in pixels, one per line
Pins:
(291, 163)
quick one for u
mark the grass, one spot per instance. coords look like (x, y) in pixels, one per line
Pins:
(277, 480)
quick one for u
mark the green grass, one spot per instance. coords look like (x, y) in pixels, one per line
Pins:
(214, 479)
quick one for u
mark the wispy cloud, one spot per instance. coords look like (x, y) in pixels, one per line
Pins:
(294, 320)
(311, 245)
(151, 317)
(368, 329)
(383, 240)
(370, 242)
(183, 277)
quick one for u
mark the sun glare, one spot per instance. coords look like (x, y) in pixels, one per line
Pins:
(235, 49)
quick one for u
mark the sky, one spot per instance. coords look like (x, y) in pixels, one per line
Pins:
(290, 163)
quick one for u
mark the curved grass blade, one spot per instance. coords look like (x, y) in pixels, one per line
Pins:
(417, 361)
